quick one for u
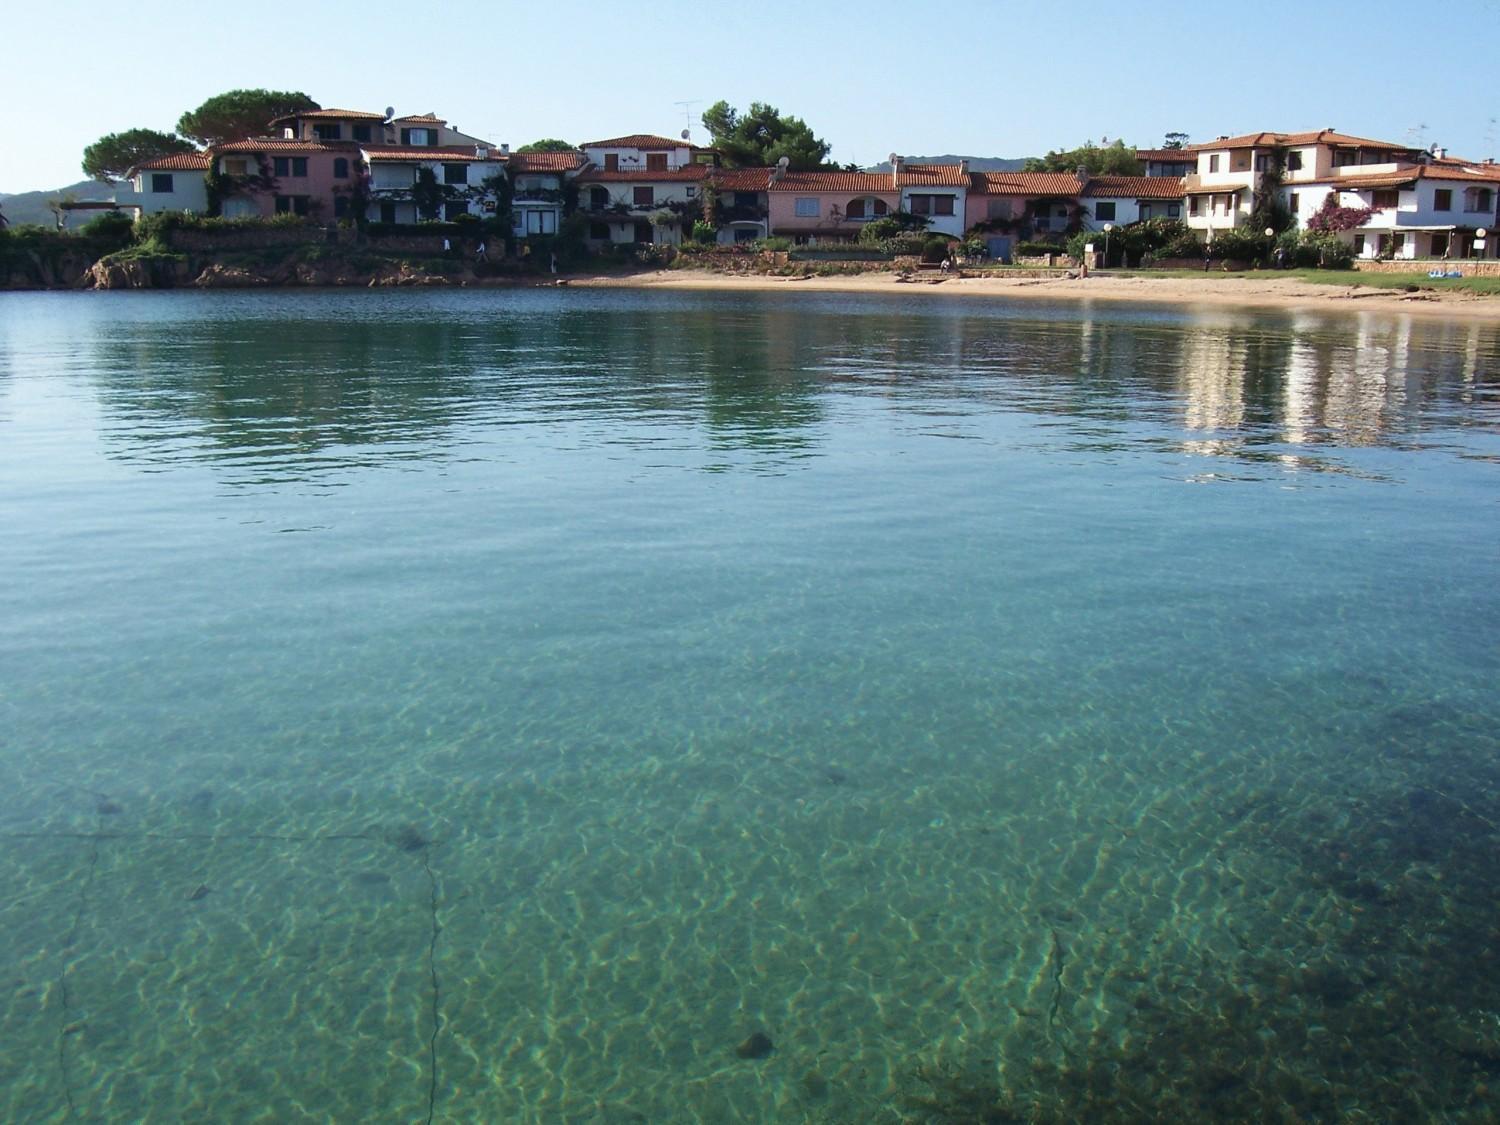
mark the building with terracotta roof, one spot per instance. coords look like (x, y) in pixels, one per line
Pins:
(642, 188)
(834, 206)
(1427, 205)
(167, 183)
(539, 183)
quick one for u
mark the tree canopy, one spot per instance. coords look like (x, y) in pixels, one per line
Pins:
(236, 114)
(547, 144)
(763, 136)
(1175, 140)
(111, 156)
(1115, 159)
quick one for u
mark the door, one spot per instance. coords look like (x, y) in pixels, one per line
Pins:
(999, 248)
(644, 233)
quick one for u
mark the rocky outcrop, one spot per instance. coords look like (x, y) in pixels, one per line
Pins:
(135, 273)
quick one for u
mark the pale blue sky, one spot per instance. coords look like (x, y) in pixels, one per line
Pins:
(871, 76)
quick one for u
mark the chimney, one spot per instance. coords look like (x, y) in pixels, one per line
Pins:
(481, 153)
(895, 170)
(963, 167)
(505, 150)
(1082, 176)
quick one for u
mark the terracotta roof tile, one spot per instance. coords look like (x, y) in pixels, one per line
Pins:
(1409, 175)
(933, 175)
(1267, 140)
(280, 146)
(1166, 155)
(420, 119)
(870, 182)
(1138, 187)
(545, 161)
(177, 162)
(742, 179)
(345, 114)
(1023, 183)
(638, 140)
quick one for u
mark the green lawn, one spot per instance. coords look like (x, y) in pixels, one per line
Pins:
(1417, 279)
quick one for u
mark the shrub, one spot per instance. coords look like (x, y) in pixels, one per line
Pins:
(1239, 244)
(1037, 249)
(705, 233)
(776, 244)
(111, 226)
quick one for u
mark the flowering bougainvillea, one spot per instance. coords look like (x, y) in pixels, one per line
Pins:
(1332, 217)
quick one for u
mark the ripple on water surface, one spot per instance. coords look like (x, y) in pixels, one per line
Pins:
(599, 706)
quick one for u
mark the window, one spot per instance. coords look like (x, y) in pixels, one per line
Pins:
(998, 209)
(691, 192)
(656, 162)
(455, 173)
(1213, 163)
(387, 212)
(453, 208)
(1192, 205)
(746, 199)
(236, 167)
(1174, 210)
(283, 165)
(931, 204)
(1479, 199)
(1261, 162)
(1105, 212)
(1386, 197)
(598, 198)
(361, 132)
(417, 138)
(1295, 201)
(1439, 245)
(291, 166)
(855, 210)
(327, 132)
(161, 182)
(1294, 162)
(643, 196)
(1143, 211)
(1359, 244)
(1400, 241)
(294, 204)
(611, 161)
(545, 222)
(807, 207)
(341, 169)
(599, 232)
(1442, 199)
(1343, 157)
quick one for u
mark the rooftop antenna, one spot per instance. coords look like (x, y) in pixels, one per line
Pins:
(1417, 135)
(687, 116)
(390, 114)
(1489, 138)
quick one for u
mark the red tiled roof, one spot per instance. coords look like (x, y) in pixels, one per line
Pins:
(280, 146)
(933, 175)
(1213, 189)
(419, 118)
(1166, 155)
(1138, 187)
(1269, 140)
(1023, 183)
(638, 140)
(866, 182)
(177, 162)
(546, 161)
(453, 154)
(337, 114)
(689, 173)
(742, 179)
(1408, 175)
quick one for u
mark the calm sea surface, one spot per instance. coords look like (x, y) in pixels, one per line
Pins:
(615, 707)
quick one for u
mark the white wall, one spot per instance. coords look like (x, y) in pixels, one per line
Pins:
(940, 224)
(188, 193)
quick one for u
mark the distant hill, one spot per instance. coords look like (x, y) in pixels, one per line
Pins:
(31, 206)
(976, 163)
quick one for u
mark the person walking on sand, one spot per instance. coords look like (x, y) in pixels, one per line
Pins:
(479, 255)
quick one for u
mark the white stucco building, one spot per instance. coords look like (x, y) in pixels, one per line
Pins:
(167, 183)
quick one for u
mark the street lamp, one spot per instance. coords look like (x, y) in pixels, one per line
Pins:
(1270, 237)
(1107, 228)
(1479, 236)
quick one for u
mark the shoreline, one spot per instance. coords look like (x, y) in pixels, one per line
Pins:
(1222, 291)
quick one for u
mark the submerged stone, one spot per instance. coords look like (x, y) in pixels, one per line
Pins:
(758, 1046)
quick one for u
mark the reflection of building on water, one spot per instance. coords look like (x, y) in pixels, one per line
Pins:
(1212, 380)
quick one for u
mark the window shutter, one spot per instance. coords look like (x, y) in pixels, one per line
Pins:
(406, 136)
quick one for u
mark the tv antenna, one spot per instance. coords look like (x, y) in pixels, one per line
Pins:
(687, 116)
(1417, 135)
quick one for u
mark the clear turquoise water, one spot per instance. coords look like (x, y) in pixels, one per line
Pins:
(477, 706)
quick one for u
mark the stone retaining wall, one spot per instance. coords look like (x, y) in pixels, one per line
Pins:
(1469, 267)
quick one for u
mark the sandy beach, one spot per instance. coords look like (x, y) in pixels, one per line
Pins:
(1251, 290)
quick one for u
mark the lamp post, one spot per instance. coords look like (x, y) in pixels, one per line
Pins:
(1108, 227)
(1479, 236)
(1270, 244)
